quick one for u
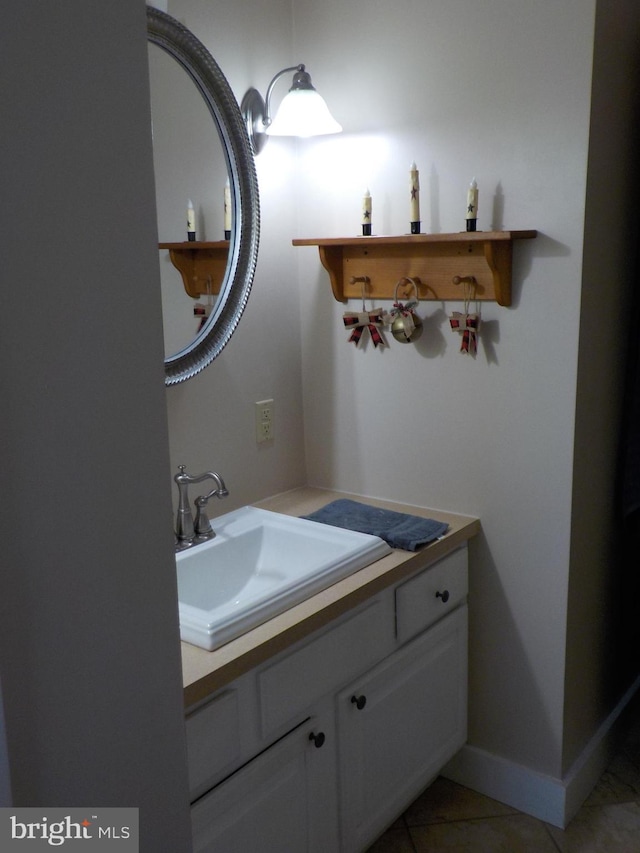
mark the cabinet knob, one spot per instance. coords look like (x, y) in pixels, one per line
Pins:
(359, 702)
(443, 595)
(317, 738)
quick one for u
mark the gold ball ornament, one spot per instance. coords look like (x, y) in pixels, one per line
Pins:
(397, 329)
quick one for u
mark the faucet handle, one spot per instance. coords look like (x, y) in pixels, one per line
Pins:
(182, 476)
(201, 524)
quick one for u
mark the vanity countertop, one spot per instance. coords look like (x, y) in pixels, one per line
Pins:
(205, 672)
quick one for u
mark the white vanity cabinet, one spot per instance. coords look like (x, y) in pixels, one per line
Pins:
(398, 725)
(323, 746)
(283, 801)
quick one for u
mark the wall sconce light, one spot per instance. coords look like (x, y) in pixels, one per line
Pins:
(303, 112)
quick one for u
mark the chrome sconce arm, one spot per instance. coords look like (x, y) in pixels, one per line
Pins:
(303, 112)
(301, 80)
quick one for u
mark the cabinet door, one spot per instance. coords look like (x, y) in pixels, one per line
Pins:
(397, 727)
(213, 741)
(283, 801)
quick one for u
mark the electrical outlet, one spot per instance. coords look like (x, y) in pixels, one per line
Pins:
(264, 420)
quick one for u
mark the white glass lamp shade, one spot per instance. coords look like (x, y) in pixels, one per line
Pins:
(303, 112)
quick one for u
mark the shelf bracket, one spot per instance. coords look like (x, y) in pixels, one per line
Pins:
(331, 260)
(498, 257)
(202, 265)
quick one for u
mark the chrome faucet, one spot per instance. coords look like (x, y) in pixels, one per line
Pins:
(188, 531)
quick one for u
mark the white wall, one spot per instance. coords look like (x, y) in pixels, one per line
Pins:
(499, 90)
(89, 643)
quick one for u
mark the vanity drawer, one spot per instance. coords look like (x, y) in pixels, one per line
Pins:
(433, 593)
(213, 740)
(324, 664)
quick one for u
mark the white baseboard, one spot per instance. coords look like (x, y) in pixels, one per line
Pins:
(513, 784)
(553, 800)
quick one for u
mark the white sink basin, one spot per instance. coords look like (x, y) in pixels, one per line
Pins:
(259, 564)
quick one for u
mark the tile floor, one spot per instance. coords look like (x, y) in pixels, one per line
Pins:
(447, 818)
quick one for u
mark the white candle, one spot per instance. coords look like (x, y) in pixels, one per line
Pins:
(414, 180)
(366, 213)
(191, 221)
(472, 200)
(227, 208)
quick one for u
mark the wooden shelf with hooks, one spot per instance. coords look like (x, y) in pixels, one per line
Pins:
(202, 264)
(433, 260)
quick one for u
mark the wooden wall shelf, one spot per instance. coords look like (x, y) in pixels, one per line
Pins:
(199, 262)
(433, 259)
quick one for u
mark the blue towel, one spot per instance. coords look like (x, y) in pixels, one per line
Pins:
(399, 529)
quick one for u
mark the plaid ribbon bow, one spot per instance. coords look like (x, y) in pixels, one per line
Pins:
(371, 320)
(468, 324)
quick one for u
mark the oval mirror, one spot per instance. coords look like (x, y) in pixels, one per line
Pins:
(216, 274)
